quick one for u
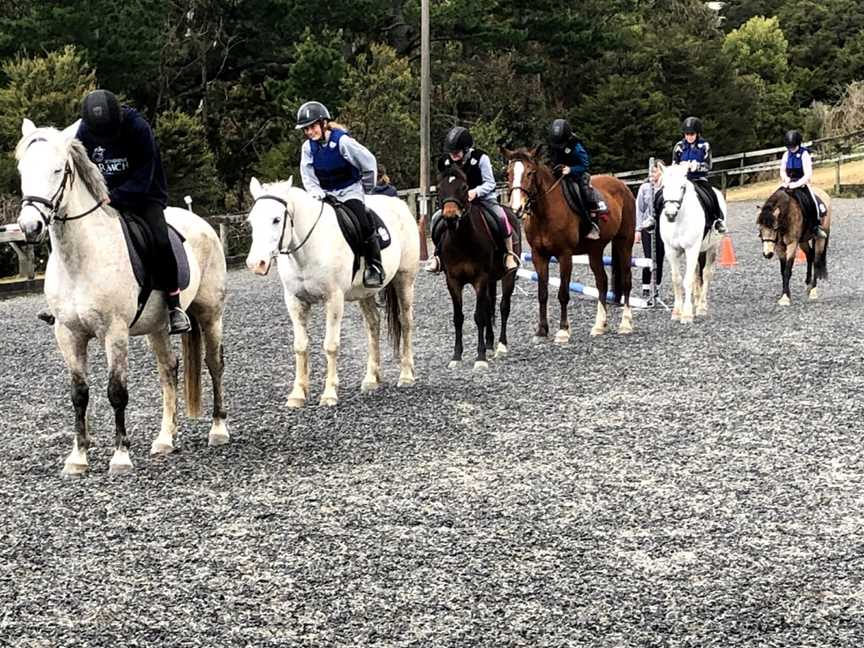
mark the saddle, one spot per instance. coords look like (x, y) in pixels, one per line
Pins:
(706, 198)
(139, 242)
(813, 211)
(494, 228)
(352, 231)
(575, 200)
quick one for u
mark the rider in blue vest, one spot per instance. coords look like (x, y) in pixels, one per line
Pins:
(796, 171)
(570, 159)
(334, 164)
(120, 142)
(459, 151)
(696, 153)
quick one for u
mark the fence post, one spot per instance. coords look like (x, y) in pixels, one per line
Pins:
(837, 173)
(724, 181)
(223, 236)
(26, 260)
(423, 210)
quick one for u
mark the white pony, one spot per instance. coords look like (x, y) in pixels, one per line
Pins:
(316, 266)
(682, 229)
(92, 292)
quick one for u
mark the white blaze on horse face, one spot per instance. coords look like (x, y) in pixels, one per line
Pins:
(267, 222)
(517, 194)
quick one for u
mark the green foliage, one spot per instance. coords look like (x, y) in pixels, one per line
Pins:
(382, 111)
(759, 47)
(189, 163)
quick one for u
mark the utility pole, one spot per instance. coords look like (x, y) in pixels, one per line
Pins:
(425, 91)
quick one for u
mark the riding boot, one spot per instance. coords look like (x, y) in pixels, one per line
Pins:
(511, 261)
(373, 276)
(178, 320)
(720, 226)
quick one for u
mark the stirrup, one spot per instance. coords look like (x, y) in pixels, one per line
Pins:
(178, 322)
(433, 265)
(594, 234)
(515, 257)
(373, 277)
(820, 233)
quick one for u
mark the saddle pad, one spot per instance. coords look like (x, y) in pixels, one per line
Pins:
(351, 231)
(139, 243)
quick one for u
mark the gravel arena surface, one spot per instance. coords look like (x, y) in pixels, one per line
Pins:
(684, 486)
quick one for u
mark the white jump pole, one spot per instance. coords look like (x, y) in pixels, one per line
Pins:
(582, 259)
(581, 289)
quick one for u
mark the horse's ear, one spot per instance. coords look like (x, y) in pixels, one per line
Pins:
(777, 212)
(27, 127)
(255, 187)
(71, 131)
(507, 153)
(538, 152)
(290, 182)
(442, 164)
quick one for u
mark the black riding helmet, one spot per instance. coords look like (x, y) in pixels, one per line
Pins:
(792, 139)
(692, 125)
(559, 133)
(458, 139)
(311, 112)
(101, 112)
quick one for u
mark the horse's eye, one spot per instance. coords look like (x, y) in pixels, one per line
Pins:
(58, 171)
(277, 220)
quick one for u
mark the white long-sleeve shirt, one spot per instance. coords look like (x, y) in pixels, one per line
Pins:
(806, 163)
(644, 203)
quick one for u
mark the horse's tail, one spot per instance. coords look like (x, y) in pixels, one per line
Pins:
(394, 323)
(192, 368)
(622, 247)
(821, 263)
(618, 272)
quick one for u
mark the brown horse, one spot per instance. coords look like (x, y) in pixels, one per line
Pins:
(470, 255)
(553, 229)
(783, 230)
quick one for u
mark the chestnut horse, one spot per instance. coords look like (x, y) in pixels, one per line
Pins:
(553, 230)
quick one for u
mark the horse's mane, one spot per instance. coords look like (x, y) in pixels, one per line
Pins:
(89, 174)
(452, 171)
(525, 154)
(778, 200)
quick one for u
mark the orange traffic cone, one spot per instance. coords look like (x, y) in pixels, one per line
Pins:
(800, 257)
(727, 253)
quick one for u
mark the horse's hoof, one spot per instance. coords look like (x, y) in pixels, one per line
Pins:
(626, 328)
(369, 385)
(599, 330)
(686, 319)
(120, 468)
(784, 301)
(562, 336)
(501, 351)
(676, 315)
(481, 365)
(701, 312)
(160, 448)
(296, 403)
(814, 293)
(328, 401)
(407, 381)
(74, 470)
(217, 439)
(454, 364)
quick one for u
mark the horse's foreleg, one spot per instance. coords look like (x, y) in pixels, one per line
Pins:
(481, 320)
(74, 350)
(601, 322)
(458, 320)
(674, 257)
(492, 292)
(117, 352)
(541, 267)
(372, 319)
(508, 284)
(215, 358)
(786, 273)
(335, 307)
(691, 265)
(565, 269)
(299, 312)
(167, 363)
(707, 277)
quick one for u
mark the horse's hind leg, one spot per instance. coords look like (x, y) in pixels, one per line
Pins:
(214, 357)
(508, 284)
(541, 267)
(299, 312)
(166, 361)
(565, 269)
(334, 310)
(707, 278)
(404, 285)
(811, 280)
(74, 350)
(117, 352)
(372, 320)
(674, 257)
(692, 262)
(481, 320)
(455, 290)
(492, 291)
(786, 265)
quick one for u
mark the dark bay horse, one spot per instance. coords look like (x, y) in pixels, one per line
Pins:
(470, 255)
(783, 229)
(553, 230)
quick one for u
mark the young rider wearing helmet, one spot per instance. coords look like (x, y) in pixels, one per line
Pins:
(796, 171)
(459, 150)
(570, 159)
(695, 152)
(332, 163)
(120, 142)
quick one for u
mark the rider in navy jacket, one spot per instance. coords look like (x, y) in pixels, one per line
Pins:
(120, 142)
(696, 153)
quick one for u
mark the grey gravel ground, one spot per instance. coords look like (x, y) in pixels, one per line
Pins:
(693, 486)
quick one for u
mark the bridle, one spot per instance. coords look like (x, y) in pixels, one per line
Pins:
(533, 196)
(54, 203)
(286, 215)
(677, 202)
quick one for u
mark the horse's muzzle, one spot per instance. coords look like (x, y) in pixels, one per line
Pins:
(259, 266)
(33, 230)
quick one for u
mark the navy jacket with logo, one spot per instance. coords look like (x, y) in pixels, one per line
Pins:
(131, 164)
